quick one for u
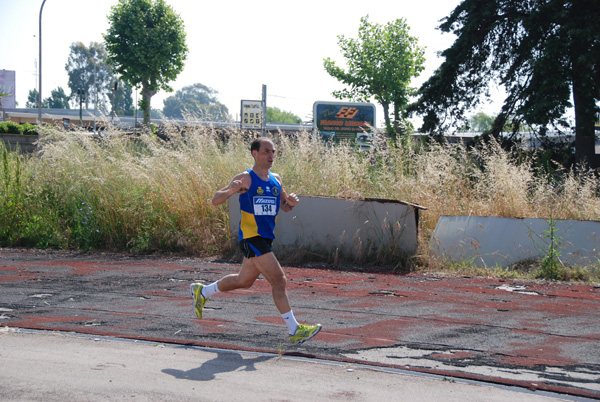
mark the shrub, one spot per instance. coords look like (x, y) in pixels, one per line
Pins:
(10, 127)
(29, 129)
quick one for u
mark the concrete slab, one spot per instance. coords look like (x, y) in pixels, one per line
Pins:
(331, 225)
(491, 241)
(532, 334)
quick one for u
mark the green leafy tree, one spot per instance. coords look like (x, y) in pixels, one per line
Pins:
(276, 115)
(544, 53)
(32, 99)
(88, 70)
(481, 122)
(380, 65)
(146, 44)
(122, 99)
(58, 99)
(196, 100)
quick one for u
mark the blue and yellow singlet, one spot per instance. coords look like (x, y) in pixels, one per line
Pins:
(259, 206)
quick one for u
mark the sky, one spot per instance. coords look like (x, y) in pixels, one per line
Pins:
(235, 46)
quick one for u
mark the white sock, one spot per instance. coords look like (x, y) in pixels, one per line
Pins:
(209, 290)
(290, 321)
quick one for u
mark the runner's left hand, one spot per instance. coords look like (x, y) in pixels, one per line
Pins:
(292, 200)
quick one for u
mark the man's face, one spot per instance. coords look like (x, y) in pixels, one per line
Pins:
(265, 155)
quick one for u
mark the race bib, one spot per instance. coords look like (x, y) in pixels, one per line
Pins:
(265, 206)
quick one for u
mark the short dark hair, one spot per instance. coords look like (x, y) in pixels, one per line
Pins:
(255, 146)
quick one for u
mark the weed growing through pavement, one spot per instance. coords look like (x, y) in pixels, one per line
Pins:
(551, 264)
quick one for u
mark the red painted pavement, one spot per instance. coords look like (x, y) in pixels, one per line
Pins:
(533, 334)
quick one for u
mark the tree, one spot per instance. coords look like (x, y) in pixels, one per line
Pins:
(58, 99)
(198, 100)
(276, 115)
(122, 99)
(88, 70)
(33, 99)
(381, 64)
(481, 122)
(146, 46)
(544, 52)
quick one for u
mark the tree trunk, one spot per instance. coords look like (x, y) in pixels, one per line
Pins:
(583, 87)
(585, 139)
(386, 116)
(147, 94)
(396, 119)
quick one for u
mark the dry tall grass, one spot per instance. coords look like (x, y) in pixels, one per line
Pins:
(144, 193)
(446, 180)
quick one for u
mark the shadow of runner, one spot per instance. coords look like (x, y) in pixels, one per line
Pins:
(223, 363)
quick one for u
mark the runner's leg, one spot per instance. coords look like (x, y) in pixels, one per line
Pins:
(268, 265)
(243, 279)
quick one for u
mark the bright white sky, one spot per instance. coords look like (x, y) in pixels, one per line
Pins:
(235, 46)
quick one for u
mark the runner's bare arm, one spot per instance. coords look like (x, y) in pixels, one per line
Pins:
(288, 201)
(239, 184)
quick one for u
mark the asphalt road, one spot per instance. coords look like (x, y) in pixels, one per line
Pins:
(46, 366)
(535, 336)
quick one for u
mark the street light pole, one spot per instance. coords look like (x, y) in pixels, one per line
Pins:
(40, 92)
(263, 116)
(95, 92)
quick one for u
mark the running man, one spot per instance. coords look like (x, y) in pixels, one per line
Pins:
(261, 198)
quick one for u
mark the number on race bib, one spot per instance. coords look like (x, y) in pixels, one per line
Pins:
(265, 206)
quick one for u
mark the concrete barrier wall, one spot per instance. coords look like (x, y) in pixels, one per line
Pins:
(25, 143)
(502, 242)
(324, 225)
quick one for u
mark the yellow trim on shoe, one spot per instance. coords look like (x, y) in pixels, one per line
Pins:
(199, 299)
(304, 332)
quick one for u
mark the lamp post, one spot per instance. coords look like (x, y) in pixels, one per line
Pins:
(40, 92)
(95, 99)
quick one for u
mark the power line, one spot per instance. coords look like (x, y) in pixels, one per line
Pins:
(287, 97)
